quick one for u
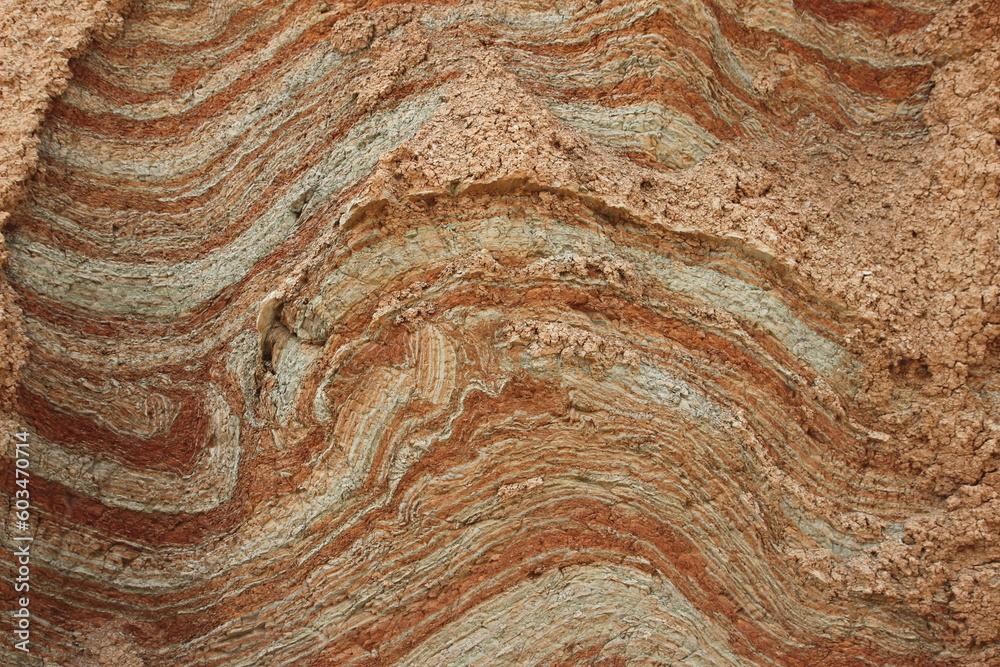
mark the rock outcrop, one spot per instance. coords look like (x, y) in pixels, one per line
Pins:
(501, 333)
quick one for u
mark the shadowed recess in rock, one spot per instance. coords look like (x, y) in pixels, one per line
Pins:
(351, 345)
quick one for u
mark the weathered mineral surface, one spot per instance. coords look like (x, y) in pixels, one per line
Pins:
(504, 333)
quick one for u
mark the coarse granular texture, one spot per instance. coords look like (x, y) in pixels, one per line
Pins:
(37, 39)
(506, 333)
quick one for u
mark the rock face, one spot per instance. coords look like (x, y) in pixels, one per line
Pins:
(507, 333)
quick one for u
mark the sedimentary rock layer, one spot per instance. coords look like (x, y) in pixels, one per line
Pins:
(515, 334)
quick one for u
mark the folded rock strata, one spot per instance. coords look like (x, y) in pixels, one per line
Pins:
(506, 333)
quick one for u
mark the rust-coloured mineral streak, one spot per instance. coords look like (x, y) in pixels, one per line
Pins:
(503, 333)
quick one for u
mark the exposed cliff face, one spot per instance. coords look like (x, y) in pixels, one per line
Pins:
(510, 333)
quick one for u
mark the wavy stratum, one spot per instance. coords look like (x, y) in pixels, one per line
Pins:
(375, 333)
